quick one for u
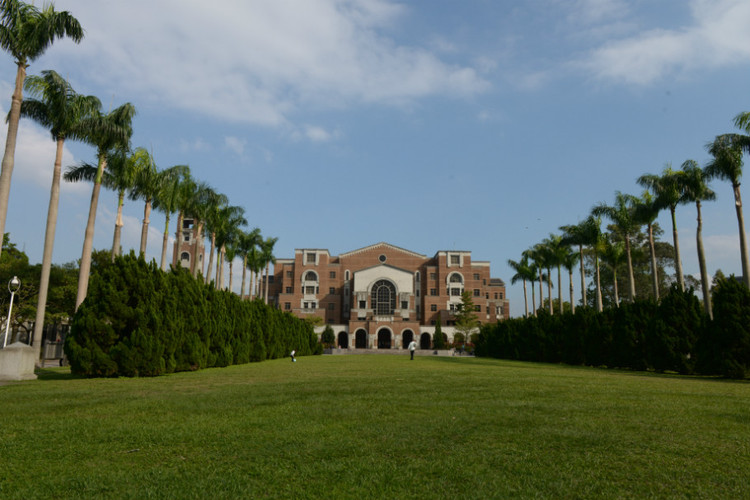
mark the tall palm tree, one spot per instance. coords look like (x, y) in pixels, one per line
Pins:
(55, 105)
(556, 253)
(146, 188)
(666, 189)
(267, 256)
(622, 215)
(727, 165)
(230, 218)
(535, 256)
(26, 32)
(207, 201)
(523, 270)
(246, 242)
(166, 201)
(105, 131)
(569, 262)
(585, 233)
(646, 211)
(613, 254)
(696, 190)
(254, 265)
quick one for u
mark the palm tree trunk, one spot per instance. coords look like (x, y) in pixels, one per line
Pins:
(88, 239)
(533, 298)
(541, 290)
(230, 274)
(631, 278)
(572, 300)
(702, 263)
(49, 243)
(677, 260)
(118, 226)
(599, 305)
(583, 279)
(244, 276)
(10, 146)
(144, 228)
(654, 269)
(164, 242)
(525, 301)
(198, 247)
(549, 291)
(559, 290)
(220, 268)
(209, 269)
(743, 241)
(614, 280)
(177, 238)
(268, 266)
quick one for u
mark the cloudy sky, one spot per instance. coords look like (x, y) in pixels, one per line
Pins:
(479, 125)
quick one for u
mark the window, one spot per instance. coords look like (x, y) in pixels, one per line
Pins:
(433, 307)
(332, 275)
(310, 276)
(346, 275)
(332, 290)
(309, 290)
(455, 292)
(456, 278)
(362, 304)
(433, 276)
(287, 306)
(433, 291)
(382, 258)
(383, 298)
(476, 276)
(289, 274)
(478, 308)
(186, 237)
(501, 295)
(288, 289)
(455, 259)
(416, 277)
(495, 295)
(311, 258)
(476, 292)
(404, 304)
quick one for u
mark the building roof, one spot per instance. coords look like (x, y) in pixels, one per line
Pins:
(382, 244)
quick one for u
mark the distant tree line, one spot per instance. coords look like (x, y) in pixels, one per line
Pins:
(674, 334)
(140, 321)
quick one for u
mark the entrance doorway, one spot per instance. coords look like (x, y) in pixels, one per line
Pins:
(360, 339)
(384, 339)
(407, 337)
(343, 340)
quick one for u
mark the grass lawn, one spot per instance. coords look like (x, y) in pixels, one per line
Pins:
(374, 426)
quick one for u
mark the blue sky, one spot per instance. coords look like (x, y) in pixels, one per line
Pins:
(431, 125)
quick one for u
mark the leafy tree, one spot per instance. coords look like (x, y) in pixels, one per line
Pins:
(26, 32)
(328, 338)
(466, 316)
(438, 339)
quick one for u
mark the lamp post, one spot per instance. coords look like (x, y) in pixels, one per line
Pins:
(13, 286)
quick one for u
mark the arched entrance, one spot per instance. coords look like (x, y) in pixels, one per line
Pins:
(343, 340)
(384, 339)
(425, 341)
(360, 339)
(407, 336)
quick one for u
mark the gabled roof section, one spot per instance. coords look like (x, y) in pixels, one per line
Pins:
(383, 245)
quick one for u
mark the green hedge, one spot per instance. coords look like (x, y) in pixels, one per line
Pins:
(673, 335)
(139, 321)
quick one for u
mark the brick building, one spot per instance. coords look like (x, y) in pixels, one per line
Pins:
(383, 296)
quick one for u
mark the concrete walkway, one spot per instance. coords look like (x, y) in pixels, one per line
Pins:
(404, 352)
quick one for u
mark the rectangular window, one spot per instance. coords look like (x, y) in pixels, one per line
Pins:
(433, 276)
(456, 292)
(309, 290)
(455, 259)
(433, 291)
(495, 295)
(311, 258)
(476, 292)
(332, 290)
(404, 304)
(476, 276)
(287, 306)
(478, 308)
(332, 275)
(288, 289)
(304, 305)
(362, 304)
(433, 307)
(289, 274)
(501, 295)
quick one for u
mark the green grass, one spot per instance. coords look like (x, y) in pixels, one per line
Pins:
(376, 427)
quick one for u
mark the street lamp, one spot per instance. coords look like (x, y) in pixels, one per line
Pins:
(13, 286)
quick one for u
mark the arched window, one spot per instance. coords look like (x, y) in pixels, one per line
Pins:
(310, 276)
(456, 278)
(383, 298)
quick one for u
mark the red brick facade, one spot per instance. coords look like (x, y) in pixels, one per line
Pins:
(382, 296)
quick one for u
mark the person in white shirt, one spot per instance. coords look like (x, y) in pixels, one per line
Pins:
(412, 348)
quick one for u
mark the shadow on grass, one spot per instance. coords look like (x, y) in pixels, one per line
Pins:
(62, 373)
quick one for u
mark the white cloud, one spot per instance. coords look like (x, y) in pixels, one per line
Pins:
(718, 37)
(235, 144)
(256, 61)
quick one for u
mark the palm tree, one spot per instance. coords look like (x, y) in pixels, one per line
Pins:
(536, 258)
(106, 132)
(613, 254)
(695, 189)
(524, 273)
(267, 257)
(622, 215)
(26, 32)
(166, 201)
(585, 233)
(207, 201)
(230, 218)
(666, 189)
(146, 188)
(246, 243)
(55, 105)
(569, 262)
(556, 253)
(646, 211)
